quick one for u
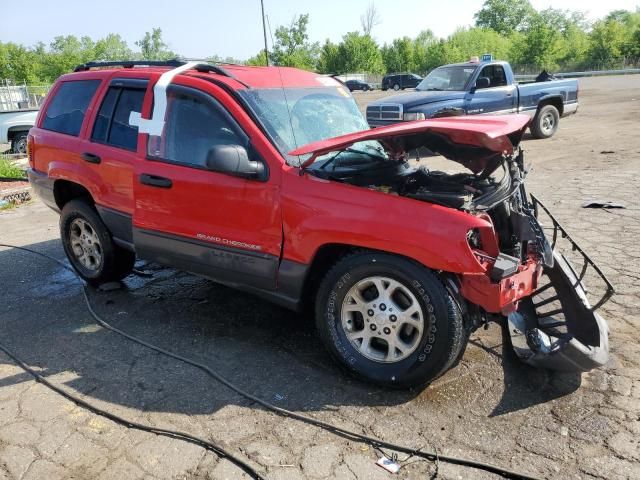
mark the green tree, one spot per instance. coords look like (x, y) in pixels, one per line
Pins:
(153, 47)
(329, 61)
(541, 44)
(504, 16)
(65, 53)
(607, 40)
(631, 44)
(470, 42)
(292, 47)
(359, 53)
(400, 56)
(423, 42)
(258, 60)
(19, 64)
(230, 60)
(111, 48)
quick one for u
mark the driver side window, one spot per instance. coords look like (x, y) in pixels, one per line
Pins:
(194, 123)
(495, 74)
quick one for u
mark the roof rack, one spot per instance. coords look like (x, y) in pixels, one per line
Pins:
(174, 63)
(129, 64)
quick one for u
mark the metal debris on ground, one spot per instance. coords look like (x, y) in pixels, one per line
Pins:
(602, 204)
(388, 464)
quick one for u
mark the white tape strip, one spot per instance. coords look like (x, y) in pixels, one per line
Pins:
(155, 124)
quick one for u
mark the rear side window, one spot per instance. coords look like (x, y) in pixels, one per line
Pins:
(66, 111)
(112, 122)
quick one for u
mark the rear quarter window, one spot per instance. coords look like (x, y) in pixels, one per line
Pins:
(68, 107)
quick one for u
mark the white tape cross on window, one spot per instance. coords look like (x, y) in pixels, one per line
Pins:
(155, 124)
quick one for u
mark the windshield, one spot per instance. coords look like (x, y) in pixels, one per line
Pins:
(297, 116)
(446, 78)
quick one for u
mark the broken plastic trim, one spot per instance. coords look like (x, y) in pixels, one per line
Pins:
(587, 261)
(585, 344)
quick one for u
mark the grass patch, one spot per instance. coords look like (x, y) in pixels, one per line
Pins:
(9, 169)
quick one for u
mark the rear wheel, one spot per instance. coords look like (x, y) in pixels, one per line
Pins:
(90, 247)
(545, 123)
(389, 320)
(396, 87)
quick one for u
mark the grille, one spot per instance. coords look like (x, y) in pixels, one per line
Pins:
(384, 112)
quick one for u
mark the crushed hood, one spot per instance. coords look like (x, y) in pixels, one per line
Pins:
(471, 140)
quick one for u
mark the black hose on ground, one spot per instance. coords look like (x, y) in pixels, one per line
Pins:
(374, 442)
(131, 424)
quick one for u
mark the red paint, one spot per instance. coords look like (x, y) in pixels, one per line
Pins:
(479, 131)
(290, 215)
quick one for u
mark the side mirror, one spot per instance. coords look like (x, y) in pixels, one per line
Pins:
(234, 160)
(481, 82)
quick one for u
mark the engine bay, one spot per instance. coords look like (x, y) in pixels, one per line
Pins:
(463, 191)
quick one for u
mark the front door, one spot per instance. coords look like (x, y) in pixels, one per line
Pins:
(498, 98)
(224, 227)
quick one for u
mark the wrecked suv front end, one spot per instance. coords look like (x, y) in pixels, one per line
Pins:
(520, 275)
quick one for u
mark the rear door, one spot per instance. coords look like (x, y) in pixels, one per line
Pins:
(220, 226)
(498, 98)
(112, 152)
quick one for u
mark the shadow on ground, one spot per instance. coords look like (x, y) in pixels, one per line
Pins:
(265, 349)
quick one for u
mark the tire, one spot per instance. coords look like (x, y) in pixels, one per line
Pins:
(396, 87)
(426, 353)
(19, 143)
(545, 123)
(90, 247)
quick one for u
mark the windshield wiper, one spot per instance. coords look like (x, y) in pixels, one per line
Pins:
(434, 89)
(351, 150)
(325, 164)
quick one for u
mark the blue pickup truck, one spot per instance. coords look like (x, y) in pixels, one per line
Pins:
(480, 88)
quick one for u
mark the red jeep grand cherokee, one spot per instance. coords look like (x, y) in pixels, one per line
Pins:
(269, 180)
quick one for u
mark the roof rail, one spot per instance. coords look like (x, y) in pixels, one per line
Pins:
(129, 64)
(174, 63)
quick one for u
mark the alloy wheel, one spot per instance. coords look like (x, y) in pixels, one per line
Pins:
(382, 319)
(85, 244)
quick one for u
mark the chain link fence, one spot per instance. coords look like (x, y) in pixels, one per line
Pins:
(21, 97)
(608, 67)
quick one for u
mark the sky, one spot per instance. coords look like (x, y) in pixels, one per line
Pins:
(201, 28)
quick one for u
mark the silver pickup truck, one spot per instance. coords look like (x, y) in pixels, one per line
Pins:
(14, 127)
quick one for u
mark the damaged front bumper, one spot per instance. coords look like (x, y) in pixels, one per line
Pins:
(557, 328)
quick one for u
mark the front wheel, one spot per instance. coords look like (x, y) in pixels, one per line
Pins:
(545, 123)
(90, 247)
(389, 320)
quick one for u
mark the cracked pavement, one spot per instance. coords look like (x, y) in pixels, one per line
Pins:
(490, 408)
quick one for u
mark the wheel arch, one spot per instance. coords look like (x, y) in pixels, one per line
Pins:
(13, 131)
(65, 190)
(555, 100)
(326, 256)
